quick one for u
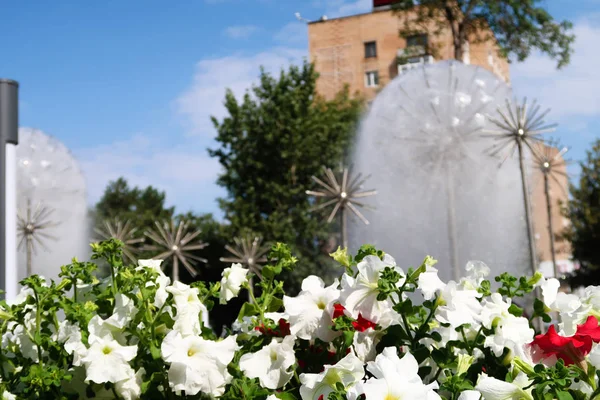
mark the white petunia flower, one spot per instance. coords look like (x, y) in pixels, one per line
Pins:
(549, 291)
(572, 309)
(469, 395)
(231, 282)
(162, 280)
(114, 326)
(429, 282)
(396, 378)
(123, 313)
(185, 296)
(460, 306)
(99, 328)
(8, 396)
(271, 364)
(494, 310)
(310, 313)
(513, 333)
(69, 335)
(348, 371)
(107, 361)
(196, 364)
(359, 295)
(246, 325)
(477, 271)
(131, 388)
(17, 337)
(594, 356)
(23, 295)
(189, 309)
(494, 389)
(364, 344)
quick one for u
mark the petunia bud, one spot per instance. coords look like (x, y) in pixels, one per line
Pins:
(464, 363)
(523, 366)
(341, 256)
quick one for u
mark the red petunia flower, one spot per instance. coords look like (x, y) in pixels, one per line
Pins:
(283, 329)
(572, 349)
(338, 310)
(362, 324)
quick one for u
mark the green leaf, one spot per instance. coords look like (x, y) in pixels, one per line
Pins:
(248, 310)
(515, 310)
(562, 395)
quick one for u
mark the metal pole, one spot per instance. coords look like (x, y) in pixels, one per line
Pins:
(9, 138)
(550, 228)
(452, 235)
(175, 272)
(344, 227)
(29, 240)
(527, 204)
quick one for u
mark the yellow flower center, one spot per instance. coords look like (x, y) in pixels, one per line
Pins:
(191, 352)
(106, 350)
(321, 305)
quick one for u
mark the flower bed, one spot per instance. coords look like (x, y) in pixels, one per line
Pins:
(379, 333)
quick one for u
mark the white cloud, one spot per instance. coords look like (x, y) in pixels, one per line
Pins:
(572, 91)
(240, 31)
(204, 97)
(184, 171)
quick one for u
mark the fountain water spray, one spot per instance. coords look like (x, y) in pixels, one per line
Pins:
(439, 193)
(49, 178)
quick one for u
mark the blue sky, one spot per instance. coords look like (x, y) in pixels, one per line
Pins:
(129, 86)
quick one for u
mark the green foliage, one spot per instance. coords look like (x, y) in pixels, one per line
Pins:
(270, 144)
(583, 210)
(40, 366)
(517, 26)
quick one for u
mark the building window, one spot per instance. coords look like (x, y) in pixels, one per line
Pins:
(372, 79)
(370, 49)
(417, 40)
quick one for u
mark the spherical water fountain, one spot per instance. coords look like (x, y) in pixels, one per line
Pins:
(439, 190)
(51, 199)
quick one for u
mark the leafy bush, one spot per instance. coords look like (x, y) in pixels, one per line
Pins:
(137, 335)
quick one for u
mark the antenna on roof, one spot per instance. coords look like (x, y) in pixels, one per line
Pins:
(300, 18)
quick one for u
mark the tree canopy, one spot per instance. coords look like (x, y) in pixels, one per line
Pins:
(584, 212)
(518, 26)
(140, 206)
(270, 144)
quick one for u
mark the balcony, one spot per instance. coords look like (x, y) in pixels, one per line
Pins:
(413, 57)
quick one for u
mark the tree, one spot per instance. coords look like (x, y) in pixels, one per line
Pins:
(140, 206)
(270, 144)
(584, 212)
(518, 26)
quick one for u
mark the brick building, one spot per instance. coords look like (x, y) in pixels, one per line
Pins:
(366, 51)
